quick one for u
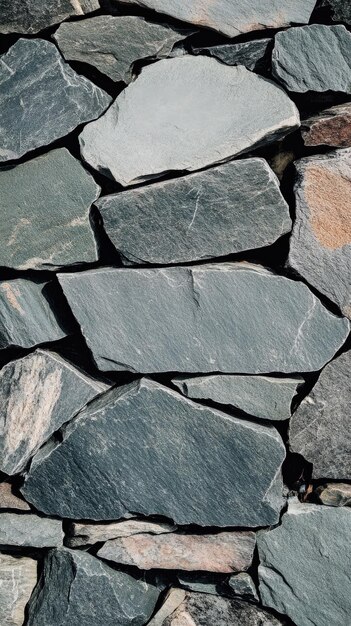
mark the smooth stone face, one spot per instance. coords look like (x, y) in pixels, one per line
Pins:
(175, 103)
(233, 207)
(223, 552)
(75, 588)
(18, 577)
(45, 94)
(30, 17)
(139, 468)
(261, 396)
(8, 500)
(313, 58)
(335, 494)
(331, 127)
(38, 394)
(305, 565)
(113, 44)
(320, 245)
(85, 534)
(232, 317)
(30, 530)
(319, 429)
(243, 585)
(254, 55)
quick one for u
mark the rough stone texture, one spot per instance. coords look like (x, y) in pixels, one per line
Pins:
(45, 208)
(42, 98)
(233, 207)
(113, 44)
(340, 10)
(243, 585)
(156, 457)
(261, 396)
(255, 55)
(305, 565)
(331, 127)
(85, 534)
(30, 530)
(75, 588)
(319, 429)
(38, 394)
(334, 494)
(172, 600)
(233, 18)
(18, 577)
(232, 317)
(200, 582)
(30, 16)
(313, 58)
(175, 103)
(26, 317)
(8, 500)
(224, 552)
(320, 245)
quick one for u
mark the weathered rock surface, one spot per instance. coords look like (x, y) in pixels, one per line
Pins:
(31, 16)
(8, 500)
(334, 494)
(200, 582)
(156, 457)
(319, 429)
(113, 44)
(233, 207)
(331, 127)
(26, 317)
(42, 98)
(242, 585)
(231, 317)
(75, 588)
(87, 534)
(255, 55)
(175, 103)
(262, 396)
(38, 394)
(305, 565)
(30, 530)
(172, 600)
(340, 10)
(18, 577)
(232, 19)
(320, 245)
(313, 58)
(224, 552)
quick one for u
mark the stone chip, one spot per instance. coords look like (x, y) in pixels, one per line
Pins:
(8, 500)
(331, 127)
(255, 55)
(334, 494)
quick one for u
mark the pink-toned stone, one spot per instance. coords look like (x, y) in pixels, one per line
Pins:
(83, 534)
(8, 500)
(331, 127)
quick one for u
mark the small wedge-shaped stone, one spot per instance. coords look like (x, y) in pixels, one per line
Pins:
(254, 55)
(30, 531)
(42, 98)
(76, 589)
(85, 534)
(30, 16)
(242, 585)
(231, 317)
(223, 552)
(38, 394)
(113, 44)
(262, 396)
(8, 500)
(233, 207)
(320, 245)
(233, 18)
(335, 494)
(18, 577)
(319, 429)
(155, 457)
(305, 565)
(175, 104)
(313, 58)
(331, 127)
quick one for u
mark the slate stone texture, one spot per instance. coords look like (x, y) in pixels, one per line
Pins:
(31, 16)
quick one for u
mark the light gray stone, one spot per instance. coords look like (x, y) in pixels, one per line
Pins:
(255, 55)
(30, 531)
(8, 500)
(81, 534)
(30, 16)
(334, 494)
(18, 576)
(174, 104)
(242, 585)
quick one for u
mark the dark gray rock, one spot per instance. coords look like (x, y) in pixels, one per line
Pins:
(334, 494)
(30, 16)
(233, 207)
(262, 396)
(30, 530)
(18, 576)
(42, 98)
(38, 394)
(232, 317)
(75, 588)
(152, 454)
(200, 582)
(319, 429)
(320, 245)
(313, 58)
(255, 55)
(340, 10)
(175, 103)
(242, 585)
(305, 565)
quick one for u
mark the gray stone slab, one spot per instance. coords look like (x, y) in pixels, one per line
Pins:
(313, 58)
(334, 494)
(8, 500)
(81, 534)
(231, 317)
(31, 16)
(255, 55)
(242, 585)
(226, 209)
(42, 98)
(153, 454)
(18, 576)
(305, 565)
(174, 104)
(30, 530)
(331, 127)
(200, 582)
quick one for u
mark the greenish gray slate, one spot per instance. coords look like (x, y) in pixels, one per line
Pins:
(30, 531)
(30, 16)
(242, 585)
(255, 55)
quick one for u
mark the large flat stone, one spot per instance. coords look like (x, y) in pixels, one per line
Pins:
(331, 127)
(18, 577)
(255, 55)
(81, 534)
(320, 245)
(231, 317)
(155, 457)
(30, 531)
(175, 104)
(38, 394)
(319, 429)
(31, 16)
(42, 98)
(305, 565)
(233, 207)
(8, 500)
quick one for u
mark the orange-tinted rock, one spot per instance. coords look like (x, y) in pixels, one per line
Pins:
(8, 500)
(331, 127)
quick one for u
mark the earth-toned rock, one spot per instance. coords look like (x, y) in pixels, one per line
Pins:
(18, 576)
(331, 127)
(8, 500)
(42, 98)
(175, 104)
(334, 494)
(155, 457)
(87, 534)
(340, 10)
(30, 16)
(242, 585)
(255, 55)
(30, 530)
